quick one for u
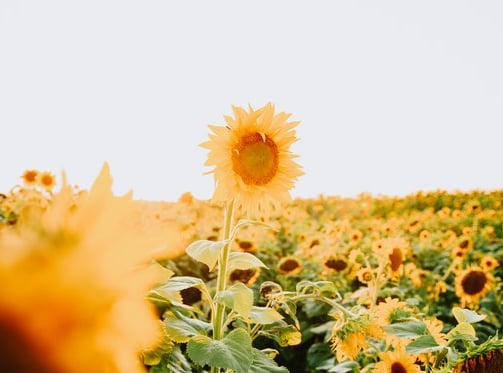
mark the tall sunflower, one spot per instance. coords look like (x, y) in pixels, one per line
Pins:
(74, 281)
(252, 160)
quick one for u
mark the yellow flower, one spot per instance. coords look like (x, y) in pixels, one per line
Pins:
(46, 180)
(246, 276)
(385, 311)
(30, 177)
(397, 361)
(435, 327)
(349, 337)
(472, 284)
(251, 158)
(74, 279)
(337, 263)
(488, 263)
(289, 266)
(349, 347)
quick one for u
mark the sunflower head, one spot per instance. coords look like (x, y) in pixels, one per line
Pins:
(397, 361)
(30, 177)
(472, 284)
(289, 265)
(47, 180)
(74, 277)
(251, 157)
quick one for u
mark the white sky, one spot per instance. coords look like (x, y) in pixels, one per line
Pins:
(393, 96)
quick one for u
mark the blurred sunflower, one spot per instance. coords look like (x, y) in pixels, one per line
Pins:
(472, 284)
(488, 263)
(251, 158)
(289, 265)
(74, 278)
(397, 361)
(46, 180)
(246, 276)
(30, 177)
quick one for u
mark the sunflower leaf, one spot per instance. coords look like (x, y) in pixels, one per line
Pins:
(263, 363)
(243, 222)
(466, 315)
(234, 351)
(264, 315)
(283, 333)
(409, 329)
(462, 331)
(206, 251)
(244, 261)
(423, 344)
(180, 328)
(237, 297)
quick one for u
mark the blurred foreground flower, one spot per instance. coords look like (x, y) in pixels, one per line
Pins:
(251, 158)
(74, 277)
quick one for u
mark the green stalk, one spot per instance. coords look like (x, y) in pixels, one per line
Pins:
(218, 318)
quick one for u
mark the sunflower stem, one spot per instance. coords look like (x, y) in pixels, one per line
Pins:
(218, 320)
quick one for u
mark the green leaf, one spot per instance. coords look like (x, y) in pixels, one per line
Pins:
(162, 297)
(462, 331)
(423, 344)
(243, 222)
(318, 355)
(283, 333)
(264, 315)
(232, 352)
(263, 363)
(181, 328)
(290, 308)
(244, 261)
(345, 367)
(318, 287)
(181, 283)
(409, 329)
(465, 315)
(238, 297)
(206, 252)
(173, 362)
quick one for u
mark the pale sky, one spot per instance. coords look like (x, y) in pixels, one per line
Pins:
(393, 96)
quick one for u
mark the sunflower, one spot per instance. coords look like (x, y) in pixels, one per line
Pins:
(74, 279)
(349, 337)
(289, 265)
(349, 347)
(472, 284)
(30, 177)
(435, 327)
(46, 180)
(251, 158)
(488, 263)
(397, 361)
(486, 357)
(391, 310)
(337, 263)
(246, 276)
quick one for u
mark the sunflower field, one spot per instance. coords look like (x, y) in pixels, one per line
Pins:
(251, 280)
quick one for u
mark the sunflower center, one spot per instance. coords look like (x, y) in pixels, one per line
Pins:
(289, 265)
(395, 259)
(255, 159)
(397, 367)
(336, 264)
(17, 354)
(474, 282)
